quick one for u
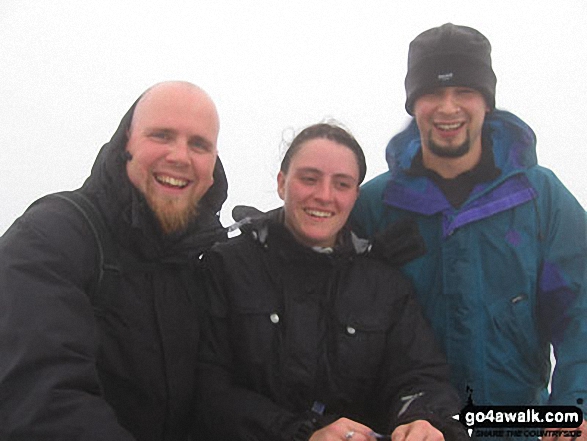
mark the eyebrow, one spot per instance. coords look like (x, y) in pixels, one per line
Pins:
(318, 171)
(197, 138)
(202, 140)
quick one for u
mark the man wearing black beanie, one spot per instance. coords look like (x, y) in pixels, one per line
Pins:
(504, 276)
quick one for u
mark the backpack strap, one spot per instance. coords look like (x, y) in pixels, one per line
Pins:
(109, 266)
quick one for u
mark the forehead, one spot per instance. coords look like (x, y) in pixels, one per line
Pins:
(326, 156)
(176, 107)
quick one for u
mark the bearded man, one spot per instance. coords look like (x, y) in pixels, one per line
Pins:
(505, 274)
(86, 359)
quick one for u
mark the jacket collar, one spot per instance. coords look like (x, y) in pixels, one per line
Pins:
(268, 230)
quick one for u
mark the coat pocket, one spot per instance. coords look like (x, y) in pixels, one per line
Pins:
(256, 335)
(360, 348)
(515, 341)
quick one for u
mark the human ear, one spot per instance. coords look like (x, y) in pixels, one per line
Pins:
(281, 185)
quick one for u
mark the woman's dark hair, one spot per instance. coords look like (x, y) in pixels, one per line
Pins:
(327, 131)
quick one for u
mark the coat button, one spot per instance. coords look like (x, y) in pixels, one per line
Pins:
(274, 318)
(350, 330)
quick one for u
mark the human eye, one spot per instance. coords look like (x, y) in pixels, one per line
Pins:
(160, 135)
(464, 91)
(308, 179)
(200, 144)
(430, 96)
(343, 185)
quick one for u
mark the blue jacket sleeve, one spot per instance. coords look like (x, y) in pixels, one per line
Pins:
(562, 291)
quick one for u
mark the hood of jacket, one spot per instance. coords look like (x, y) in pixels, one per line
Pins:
(514, 144)
(128, 215)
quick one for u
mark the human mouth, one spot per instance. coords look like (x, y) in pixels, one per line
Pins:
(319, 213)
(449, 127)
(169, 181)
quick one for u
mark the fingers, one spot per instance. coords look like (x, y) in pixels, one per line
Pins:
(419, 430)
(343, 429)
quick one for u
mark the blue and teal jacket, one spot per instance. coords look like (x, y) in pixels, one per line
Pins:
(504, 275)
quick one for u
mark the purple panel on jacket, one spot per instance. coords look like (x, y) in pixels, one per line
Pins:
(554, 298)
(511, 193)
(429, 200)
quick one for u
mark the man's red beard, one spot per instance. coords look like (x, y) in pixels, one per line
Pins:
(173, 214)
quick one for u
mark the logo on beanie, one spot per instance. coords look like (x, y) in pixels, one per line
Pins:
(443, 78)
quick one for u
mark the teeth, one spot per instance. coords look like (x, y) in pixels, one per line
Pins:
(168, 180)
(317, 213)
(447, 127)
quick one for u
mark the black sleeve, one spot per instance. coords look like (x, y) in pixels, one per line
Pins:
(398, 243)
(49, 388)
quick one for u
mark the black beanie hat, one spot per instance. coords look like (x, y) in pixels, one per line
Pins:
(449, 55)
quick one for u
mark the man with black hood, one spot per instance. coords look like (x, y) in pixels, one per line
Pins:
(87, 355)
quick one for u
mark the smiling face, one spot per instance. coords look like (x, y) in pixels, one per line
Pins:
(450, 120)
(172, 140)
(319, 191)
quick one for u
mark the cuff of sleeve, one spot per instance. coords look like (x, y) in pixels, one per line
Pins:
(311, 424)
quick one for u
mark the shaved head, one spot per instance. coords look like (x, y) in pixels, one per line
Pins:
(171, 88)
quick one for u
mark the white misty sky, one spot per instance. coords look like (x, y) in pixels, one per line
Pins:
(69, 70)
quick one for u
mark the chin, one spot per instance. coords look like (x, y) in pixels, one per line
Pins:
(321, 241)
(173, 218)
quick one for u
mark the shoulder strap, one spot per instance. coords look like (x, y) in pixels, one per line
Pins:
(107, 250)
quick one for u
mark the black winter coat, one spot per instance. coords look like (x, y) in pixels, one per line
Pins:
(290, 329)
(123, 366)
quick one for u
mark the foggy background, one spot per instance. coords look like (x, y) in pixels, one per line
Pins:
(70, 69)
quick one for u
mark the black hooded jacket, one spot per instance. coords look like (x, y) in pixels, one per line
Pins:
(294, 339)
(122, 366)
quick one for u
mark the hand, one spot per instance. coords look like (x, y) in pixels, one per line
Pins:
(418, 430)
(582, 428)
(343, 429)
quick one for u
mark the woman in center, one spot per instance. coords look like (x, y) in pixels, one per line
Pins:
(306, 336)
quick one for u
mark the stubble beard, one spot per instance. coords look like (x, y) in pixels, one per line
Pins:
(449, 152)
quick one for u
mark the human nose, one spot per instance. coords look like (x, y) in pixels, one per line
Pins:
(178, 153)
(448, 103)
(323, 192)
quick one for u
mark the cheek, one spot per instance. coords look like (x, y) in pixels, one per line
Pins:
(420, 123)
(204, 167)
(143, 159)
(135, 172)
(422, 108)
(349, 205)
(348, 202)
(292, 193)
